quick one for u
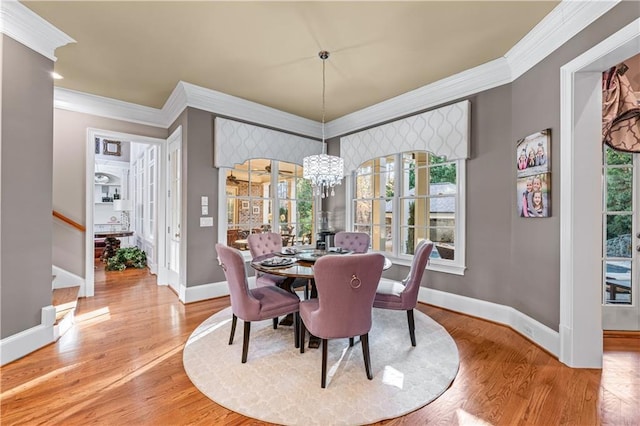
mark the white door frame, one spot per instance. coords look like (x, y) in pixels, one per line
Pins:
(581, 196)
(163, 267)
(92, 133)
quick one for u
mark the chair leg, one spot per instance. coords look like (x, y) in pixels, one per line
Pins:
(234, 321)
(245, 342)
(275, 323)
(303, 332)
(296, 329)
(365, 352)
(323, 382)
(412, 327)
(350, 341)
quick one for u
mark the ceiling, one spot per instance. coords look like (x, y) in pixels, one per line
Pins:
(267, 52)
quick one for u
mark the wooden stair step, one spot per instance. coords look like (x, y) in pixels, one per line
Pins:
(65, 300)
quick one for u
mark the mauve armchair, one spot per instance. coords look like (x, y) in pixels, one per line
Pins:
(403, 296)
(346, 287)
(260, 246)
(358, 242)
(253, 304)
(264, 245)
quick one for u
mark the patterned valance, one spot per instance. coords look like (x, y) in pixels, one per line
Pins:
(237, 142)
(443, 132)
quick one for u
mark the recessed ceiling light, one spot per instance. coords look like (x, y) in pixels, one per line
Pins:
(56, 76)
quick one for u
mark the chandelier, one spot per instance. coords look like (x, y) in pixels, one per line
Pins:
(324, 171)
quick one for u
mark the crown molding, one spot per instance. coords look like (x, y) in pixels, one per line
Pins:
(106, 107)
(559, 26)
(241, 109)
(466, 83)
(28, 28)
(563, 22)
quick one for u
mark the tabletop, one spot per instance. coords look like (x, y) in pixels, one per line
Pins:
(303, 268)
(112, 234)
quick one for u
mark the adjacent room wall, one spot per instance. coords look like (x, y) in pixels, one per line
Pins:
(69, 165)
(26, 170)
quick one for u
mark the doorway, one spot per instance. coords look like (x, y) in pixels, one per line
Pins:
(110, 182)
(581, 201)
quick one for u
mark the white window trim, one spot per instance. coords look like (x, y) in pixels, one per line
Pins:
(456, 266)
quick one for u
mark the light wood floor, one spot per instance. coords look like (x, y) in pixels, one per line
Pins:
(121, 364)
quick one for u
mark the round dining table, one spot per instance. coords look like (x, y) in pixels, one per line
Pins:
(298, 264)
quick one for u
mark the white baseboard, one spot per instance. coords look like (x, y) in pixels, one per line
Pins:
(205, 291)
(533, 330)
(209, 291)
(27, 341)
(66, 279)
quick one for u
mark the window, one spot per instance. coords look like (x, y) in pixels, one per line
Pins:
(402, 199)
(267, 196)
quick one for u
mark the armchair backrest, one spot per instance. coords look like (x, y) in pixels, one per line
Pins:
(414, 278)
(243, 304)
(346, 289)
(358, 242)
(264, 243)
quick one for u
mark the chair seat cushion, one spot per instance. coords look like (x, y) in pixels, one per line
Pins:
(389, 294)
(268, 280)
(274, 301)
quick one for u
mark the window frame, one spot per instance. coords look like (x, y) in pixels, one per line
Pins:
(456, 266)
(273, 197)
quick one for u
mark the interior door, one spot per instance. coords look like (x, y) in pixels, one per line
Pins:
(174, 207)
(621, 241)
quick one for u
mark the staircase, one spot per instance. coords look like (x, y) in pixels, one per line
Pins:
(65, 301)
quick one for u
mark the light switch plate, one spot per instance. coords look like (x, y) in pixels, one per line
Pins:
(204, 200)
(205, 210)
(206, 221)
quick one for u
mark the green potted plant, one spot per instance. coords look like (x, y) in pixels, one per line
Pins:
(127, 257)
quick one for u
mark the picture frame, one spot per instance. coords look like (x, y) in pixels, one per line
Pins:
(245, 205)
(111, 148)
(533, 176)
(256, 210)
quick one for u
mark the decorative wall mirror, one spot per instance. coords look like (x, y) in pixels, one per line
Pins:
(111, 147)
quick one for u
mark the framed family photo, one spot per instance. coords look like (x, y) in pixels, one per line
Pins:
(533, 182)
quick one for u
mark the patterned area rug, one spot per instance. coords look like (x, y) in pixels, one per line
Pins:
(278, 384)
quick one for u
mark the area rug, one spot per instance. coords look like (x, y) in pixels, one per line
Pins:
(280, 385)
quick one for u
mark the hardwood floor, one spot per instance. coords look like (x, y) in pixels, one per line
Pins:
(122, 364)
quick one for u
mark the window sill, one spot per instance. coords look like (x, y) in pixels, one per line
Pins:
(434, 265)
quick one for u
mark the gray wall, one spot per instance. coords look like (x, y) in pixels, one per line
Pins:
(26, 170)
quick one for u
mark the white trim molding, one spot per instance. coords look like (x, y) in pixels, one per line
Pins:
(65, 278)
(533, 330)
(25, 26)
(23, 343)
(580, 243)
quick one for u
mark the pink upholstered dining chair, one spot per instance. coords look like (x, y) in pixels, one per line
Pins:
(358, 242)
(253, 304)
(403, 296)
(261, 245)
(346, 287)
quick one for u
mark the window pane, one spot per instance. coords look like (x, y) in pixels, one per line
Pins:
(619, 235)
(613, 157)
(363, 212)
(380, 239)
(445, 173)
(618, 282)
(364, 186)
(619, 188)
